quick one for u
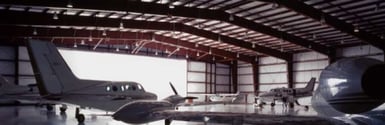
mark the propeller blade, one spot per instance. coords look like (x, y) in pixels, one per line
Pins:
(190, 97)
(173, 89)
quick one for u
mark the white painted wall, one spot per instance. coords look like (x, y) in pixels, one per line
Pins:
(272, 73)
(245, 82)
(307, 65)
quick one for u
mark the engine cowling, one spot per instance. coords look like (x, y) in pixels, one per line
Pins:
(352, 85)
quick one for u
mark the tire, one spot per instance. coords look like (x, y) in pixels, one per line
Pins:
(49, 107)
(81, 118)
(272, 104)
(62, 109)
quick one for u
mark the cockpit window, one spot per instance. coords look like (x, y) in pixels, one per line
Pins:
(122, 88)
(108, 88)
(139, 87)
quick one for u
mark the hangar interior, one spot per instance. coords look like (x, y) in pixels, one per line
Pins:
(248, 46)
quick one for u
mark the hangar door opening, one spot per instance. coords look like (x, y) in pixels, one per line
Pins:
(152, 72)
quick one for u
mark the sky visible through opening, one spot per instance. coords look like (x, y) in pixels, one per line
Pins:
(154, 73)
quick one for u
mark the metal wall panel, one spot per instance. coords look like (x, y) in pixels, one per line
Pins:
(245, 79)
(222, 80)
(196, 77)
(197, 66)
(310, 65)
(301, 77)
(273, 78)
(25, 68)
(26, 80)
(23, 53)
(7, 52)
(196, 87)
(273, 68)
(223, 88)
(270, 60)
(245, 70)
(7, 67)
(246, 88)
(223, 71)
(265, 88)
(308, 56)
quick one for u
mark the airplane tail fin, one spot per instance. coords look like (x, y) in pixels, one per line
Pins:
(311, 84)
(52, 74)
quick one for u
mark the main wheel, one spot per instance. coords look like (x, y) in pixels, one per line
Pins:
(49, 107)
(167, 121)
(63, 108)
(80, 118)
(272, 104)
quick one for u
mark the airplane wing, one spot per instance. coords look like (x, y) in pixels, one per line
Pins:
(236, 118)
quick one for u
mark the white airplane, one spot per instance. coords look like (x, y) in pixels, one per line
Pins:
(287, 95)
(223, 97)
(56, 81)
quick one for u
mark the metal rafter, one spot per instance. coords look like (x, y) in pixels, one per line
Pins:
(141, 7)
(14, 18)
(311, 12)
(16, 31)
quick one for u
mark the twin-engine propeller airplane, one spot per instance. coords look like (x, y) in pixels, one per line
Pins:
(287, 95)
(56, 81)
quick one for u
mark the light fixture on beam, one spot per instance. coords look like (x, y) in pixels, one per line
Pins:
(253, 45)
(75, 45)
(121, 25)
(213, 58)
(82, 42)
(126, 47)
(104, 33)
(171, 6)
(237, 55)
(69, 4)
(34, 32)
(197, 54)
(117, 49)
(186, 56)
(196, 45)
(231, 17)
(210, 52)
(356, 30)
(156, 52)
(90, 38)
(55, 16)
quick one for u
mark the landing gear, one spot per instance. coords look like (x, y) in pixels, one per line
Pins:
(167, 121)
(49, 107)
(272, 104)
(80, 117)
(63, 108)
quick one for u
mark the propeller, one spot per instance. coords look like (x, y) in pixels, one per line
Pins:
(176, 92)
(173, 89)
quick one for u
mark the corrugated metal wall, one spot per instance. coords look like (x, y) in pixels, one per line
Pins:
(246, 82)
(272, 73)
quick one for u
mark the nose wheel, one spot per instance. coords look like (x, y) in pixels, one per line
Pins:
(79, 116)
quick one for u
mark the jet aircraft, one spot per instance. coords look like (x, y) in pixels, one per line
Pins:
(287, 95)
(56, 81)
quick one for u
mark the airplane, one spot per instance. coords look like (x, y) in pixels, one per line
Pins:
(287, 95)
(56, 82)
(223, 97)
(349, 90)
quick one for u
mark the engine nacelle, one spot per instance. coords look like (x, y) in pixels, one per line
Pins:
(352, 85)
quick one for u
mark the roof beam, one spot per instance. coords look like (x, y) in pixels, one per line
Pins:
(316, 14)
(149, 8)
(20, 18)
(26, 32)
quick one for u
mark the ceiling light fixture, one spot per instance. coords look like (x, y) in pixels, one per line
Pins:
(104, 33)
(237, 55)
(231, 17)
(90, 38)
(82, 42)
(253, 45)
(156, 52)
(356, 30)
(117, 49)
(126, 47)
(171, 6)
(75, 45)
(55, 16)
(69, 4)
(213, 58)
(196, 45)
(197, 53)
(210, 51)
(34, 32)
(121, 25)
(186, 56)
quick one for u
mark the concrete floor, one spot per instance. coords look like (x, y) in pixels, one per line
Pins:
(27, 115)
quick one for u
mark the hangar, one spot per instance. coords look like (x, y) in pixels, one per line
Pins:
(206, 49)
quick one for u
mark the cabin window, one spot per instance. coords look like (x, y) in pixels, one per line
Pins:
(127, 87)
(108, 88)
(122, 87)
(114, 88)
(139, 87)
